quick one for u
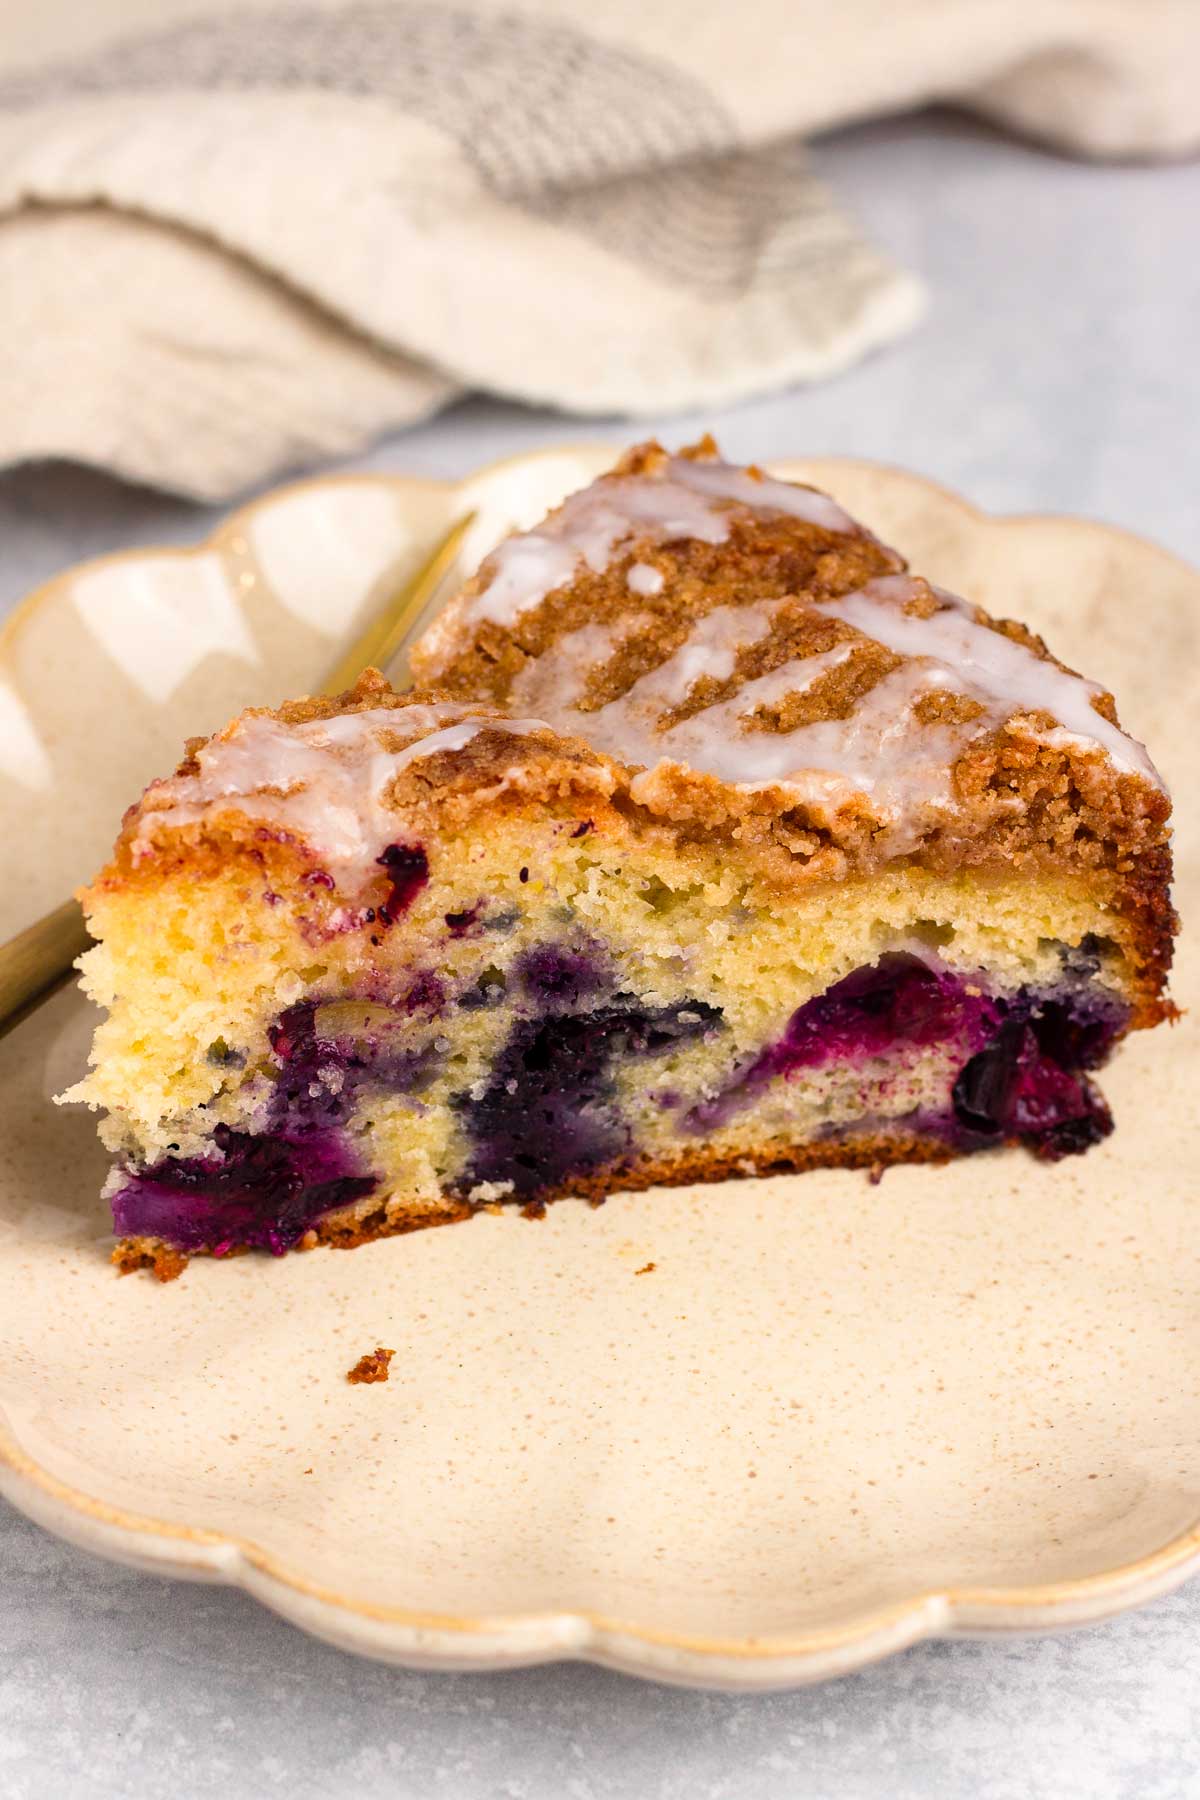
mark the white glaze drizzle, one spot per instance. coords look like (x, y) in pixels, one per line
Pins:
(990, 667)
(628, 727)
(644, 578)
(881, 751)
(323, 781)
(709, 650)
(715, 739)
(905, 773)
(726, 481)
(682, 498)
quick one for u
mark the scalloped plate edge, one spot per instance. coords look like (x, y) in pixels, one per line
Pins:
(427, 1641)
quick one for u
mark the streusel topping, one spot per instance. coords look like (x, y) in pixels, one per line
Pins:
(328, 781)
(793, 661)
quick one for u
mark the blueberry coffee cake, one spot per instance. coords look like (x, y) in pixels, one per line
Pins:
(713, 843)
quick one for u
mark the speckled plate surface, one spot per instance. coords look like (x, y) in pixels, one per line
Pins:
(743, 1436)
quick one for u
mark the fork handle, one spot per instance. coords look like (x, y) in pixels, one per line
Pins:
(39, 960)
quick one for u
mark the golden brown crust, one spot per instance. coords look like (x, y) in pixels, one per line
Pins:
(337, 1233)
(383, 1220)
(163, 1260)
(1143, 903)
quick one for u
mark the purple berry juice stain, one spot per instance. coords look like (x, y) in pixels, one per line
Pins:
(408, 871)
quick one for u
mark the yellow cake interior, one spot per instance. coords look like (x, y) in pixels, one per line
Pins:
(186, 965)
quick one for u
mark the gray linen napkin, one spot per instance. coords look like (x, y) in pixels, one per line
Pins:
(238, 237)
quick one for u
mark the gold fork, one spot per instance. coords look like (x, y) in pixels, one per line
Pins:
(37, 962)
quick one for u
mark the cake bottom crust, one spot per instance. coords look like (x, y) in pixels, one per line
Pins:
(384, 1216)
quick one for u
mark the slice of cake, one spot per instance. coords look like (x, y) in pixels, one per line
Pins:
(716, 844)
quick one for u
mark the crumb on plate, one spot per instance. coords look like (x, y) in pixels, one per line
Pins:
(373, 1366)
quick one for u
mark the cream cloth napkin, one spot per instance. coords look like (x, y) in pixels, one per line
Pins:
(234, 238)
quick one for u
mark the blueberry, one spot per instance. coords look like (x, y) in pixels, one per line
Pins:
(263, 1192)
(549, 1112)
(984, 1088)
(554, 975)
(408, 869)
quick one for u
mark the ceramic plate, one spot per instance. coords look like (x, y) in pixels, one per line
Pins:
(742, 1436)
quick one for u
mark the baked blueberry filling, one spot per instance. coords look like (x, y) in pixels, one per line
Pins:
(328, 1054)
(407, 869)
(556, 976)
(261, 1192)
(549, 1114)
(1028, 1082)
(265, 1188)
(898, 1000)
(1024, 1055)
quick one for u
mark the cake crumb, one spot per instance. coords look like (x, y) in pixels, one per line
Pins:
(875, 1174)
(371, 1367)
(646, 1269)
(164, 1263)
(485, 1193)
